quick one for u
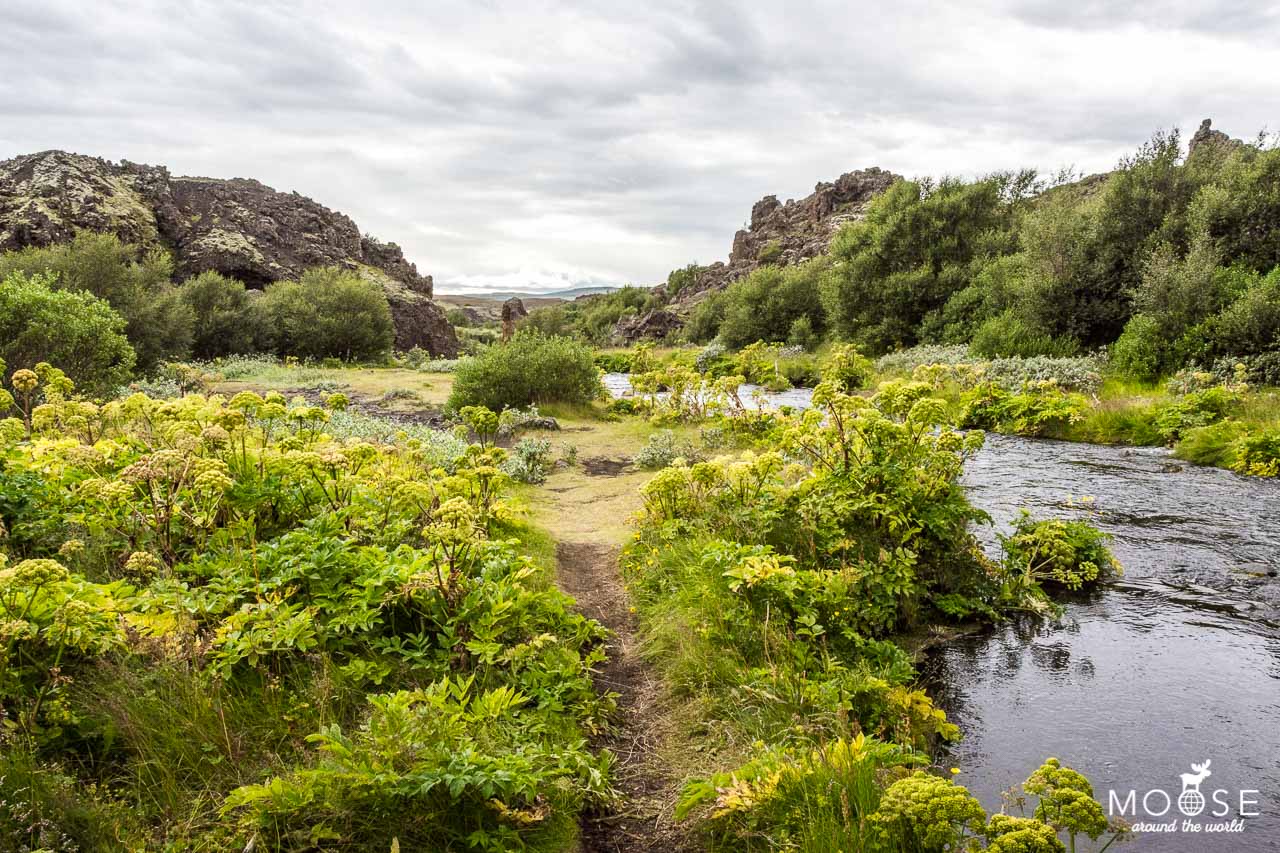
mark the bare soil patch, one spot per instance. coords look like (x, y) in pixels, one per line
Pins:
(642, 820)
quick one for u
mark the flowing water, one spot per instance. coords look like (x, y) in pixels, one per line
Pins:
(1175, 663)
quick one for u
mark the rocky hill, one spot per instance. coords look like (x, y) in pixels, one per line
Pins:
(238, 227)
(778, 233)
(792, 232)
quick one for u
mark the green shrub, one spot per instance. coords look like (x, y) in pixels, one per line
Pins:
(913, 251)
(703, 323)
(445, 767)
(846, 368)
(550, 320)
(682, 278)
(1042, 408)
(1257, 453)
(1143, 349)
(312, 640)
(815, 798)
(593, 317)
(74, 329)
(226, 319)
(1195, 409)
(662, 449)
(1058, 552)
(329, 312)
(1079, 373)
(1211, 445)
(802, 335)
(770, 253)
(1240, 211)
(529, 460)
(1250, 325)
(766, 305)
(614, 362)
(528, 369)
(904, 362)
(137, 285)
(926, 813)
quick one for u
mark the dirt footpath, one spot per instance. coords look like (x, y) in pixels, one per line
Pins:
(642, 820)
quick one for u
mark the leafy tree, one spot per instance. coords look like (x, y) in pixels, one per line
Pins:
(75, 330)
(1250, 325)
(912, 252)
(329, 312)
(1240, 211)
(1010, 334)
(598, 314)
(226, 318)
(705, 318)
(766, 305)
(592, 318)
(458, 318)
(550, 320)
(139, 287)
(1179, 292)
(1142, 350)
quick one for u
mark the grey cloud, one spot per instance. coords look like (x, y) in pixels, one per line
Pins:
(1239, 18)
(605, 142)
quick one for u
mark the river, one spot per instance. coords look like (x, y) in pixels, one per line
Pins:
(1175, 663)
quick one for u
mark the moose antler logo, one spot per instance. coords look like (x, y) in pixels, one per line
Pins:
(1191, 801)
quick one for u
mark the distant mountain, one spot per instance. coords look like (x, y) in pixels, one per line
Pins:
(500, 295)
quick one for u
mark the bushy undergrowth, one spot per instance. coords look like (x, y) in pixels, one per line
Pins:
(905, 361)
(772, 586)
(258, 632)
(326, 312)
(1040, 409)
(662, 449)
(528, 369)
(529, 460)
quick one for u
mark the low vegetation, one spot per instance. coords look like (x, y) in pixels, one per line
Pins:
(774, 586)
(247, 621)
(226, 627)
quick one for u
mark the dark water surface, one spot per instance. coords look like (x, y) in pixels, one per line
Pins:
(1177, 662)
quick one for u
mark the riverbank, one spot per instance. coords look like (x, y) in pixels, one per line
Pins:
(1207, 600)
(1205, 418)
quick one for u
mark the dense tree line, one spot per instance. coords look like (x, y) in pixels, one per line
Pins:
(101, 310)
(1172, 259)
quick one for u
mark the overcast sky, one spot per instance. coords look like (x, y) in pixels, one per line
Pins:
(553, 144)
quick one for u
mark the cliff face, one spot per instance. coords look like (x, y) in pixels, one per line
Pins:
(238, 227)
(792, 232)
(779, 233)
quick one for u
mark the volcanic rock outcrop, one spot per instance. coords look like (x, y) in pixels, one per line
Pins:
(779, 233)
(791, 232)
(238, 227)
